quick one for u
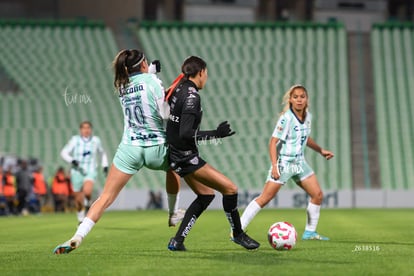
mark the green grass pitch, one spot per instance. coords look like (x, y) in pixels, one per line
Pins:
(363, 242)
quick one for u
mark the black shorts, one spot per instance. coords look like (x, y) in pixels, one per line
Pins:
(184, 162)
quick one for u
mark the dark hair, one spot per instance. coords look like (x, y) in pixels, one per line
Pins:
(125, 63)
(85, 123)
(192, 66)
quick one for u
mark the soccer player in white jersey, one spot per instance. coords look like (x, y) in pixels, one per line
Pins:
(83, 151)
(286, 149)
(143, 143)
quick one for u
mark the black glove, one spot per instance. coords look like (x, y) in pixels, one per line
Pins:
(75, 163)
(224, 130)
(105, 171)
(154, 67)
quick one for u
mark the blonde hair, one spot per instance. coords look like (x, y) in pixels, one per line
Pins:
(289, 93)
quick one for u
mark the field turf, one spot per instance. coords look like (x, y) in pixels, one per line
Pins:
(363, 242)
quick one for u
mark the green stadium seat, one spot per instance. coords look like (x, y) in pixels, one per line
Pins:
(393, 60)
(250, 67)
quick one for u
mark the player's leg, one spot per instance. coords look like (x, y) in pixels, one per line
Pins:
(214, 179)
(77, 180)
(156, 158)
(172, 186)
(270, 190)
(87, 192)
(115, 181)
(79, 205)
(204, 197)
(311, 186)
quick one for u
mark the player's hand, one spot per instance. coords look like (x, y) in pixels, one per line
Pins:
(224, 130)
(105, 171)
(154, 67)
(327, 154)
(275, 172)
(75, 163)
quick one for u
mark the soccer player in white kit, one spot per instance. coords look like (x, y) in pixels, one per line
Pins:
(83, 152)
(286, 149)
(143, 144)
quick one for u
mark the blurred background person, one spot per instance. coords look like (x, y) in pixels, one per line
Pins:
(60, 190)
(9, 190)
(83, 151)
(2, 199)
(24, 183)
(39, 187)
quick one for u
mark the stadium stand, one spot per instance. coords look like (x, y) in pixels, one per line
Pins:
(393, 60)
(63, 73)
(250, 67)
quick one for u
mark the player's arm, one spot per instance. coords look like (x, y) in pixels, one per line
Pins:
(187, 123)
(313, 145)
(66, 152)
(273, 156)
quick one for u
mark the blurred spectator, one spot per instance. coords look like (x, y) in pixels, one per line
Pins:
(60, 190)
(39, 187)
(24, 182)
(2, 198)
(155, 200)
(9, 190)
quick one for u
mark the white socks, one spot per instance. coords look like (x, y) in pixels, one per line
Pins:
(84, 228)
(249, 213)
(81, 215)
(313, 212)
(172, 203)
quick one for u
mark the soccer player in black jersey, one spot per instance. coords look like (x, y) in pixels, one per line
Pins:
(182, 135)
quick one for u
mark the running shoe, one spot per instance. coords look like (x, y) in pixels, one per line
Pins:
(67, 247)
(313, 235)
(176, 218)
(174, 245)
(244, 240)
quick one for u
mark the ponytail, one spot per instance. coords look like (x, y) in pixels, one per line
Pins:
(125, 63)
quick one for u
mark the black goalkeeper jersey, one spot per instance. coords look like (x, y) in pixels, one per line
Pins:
(185, 117)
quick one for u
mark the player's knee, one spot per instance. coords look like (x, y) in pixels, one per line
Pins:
(318, 197)
(231, 189)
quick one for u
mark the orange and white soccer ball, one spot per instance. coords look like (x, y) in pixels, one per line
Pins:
(282, 236)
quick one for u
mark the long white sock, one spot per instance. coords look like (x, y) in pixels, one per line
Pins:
(84, 228)
(313, 212)
(172, 203)
(81, 215)
(249, 213)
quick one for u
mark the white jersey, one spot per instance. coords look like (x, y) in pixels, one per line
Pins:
(85, 151)
(293, 134)
(145, 110)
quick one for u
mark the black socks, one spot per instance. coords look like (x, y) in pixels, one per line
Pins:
(193, 212)
(232, 214)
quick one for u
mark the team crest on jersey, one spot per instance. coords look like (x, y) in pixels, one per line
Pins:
(194, 161)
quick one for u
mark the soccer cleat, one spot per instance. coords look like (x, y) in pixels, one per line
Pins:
(174, 245)
(176, 218)
(313, 235)
(244, 240)
(67, 247)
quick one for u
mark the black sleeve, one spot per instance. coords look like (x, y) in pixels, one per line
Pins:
(187, 131)
(186, 126)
